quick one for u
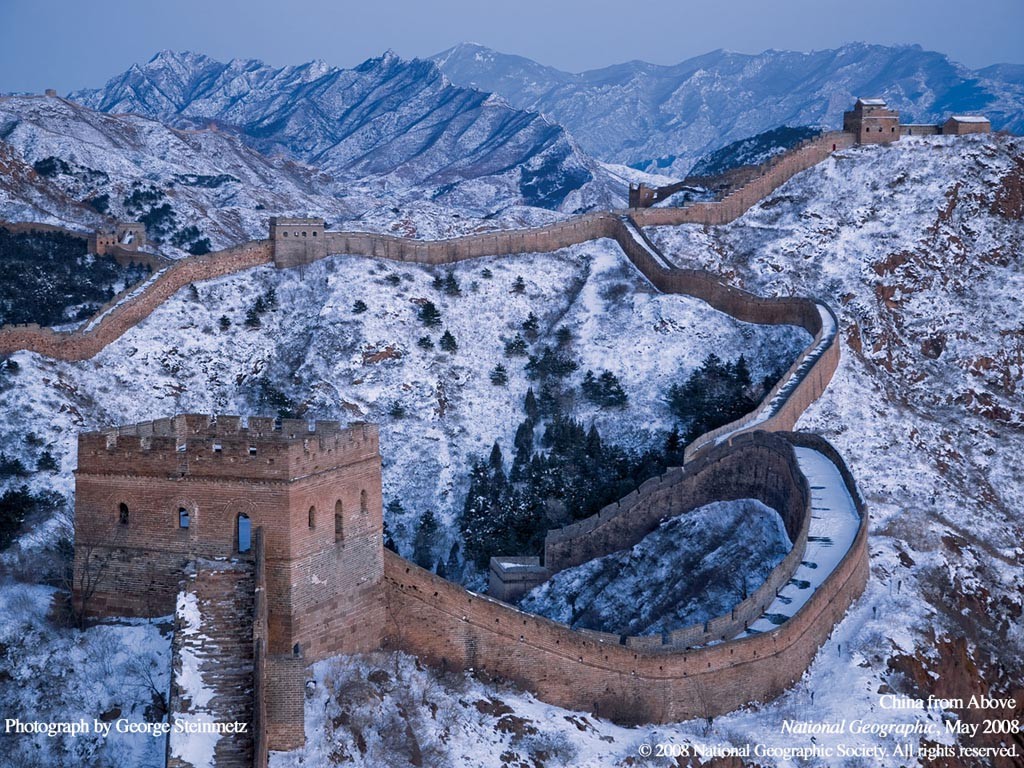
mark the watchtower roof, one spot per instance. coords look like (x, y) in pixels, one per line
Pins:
(871, 102)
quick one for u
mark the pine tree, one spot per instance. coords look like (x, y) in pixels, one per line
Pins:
(612, 393)
(519, 286)
(515, 347)
(453, 566)
(530, 405)
(496, 460)
(425, 342)
(389, 542)
(438, 283)
(448, 343)
(270, 298)
(499, 376)
(429, 314)
(531, 326)
(563, 336)
(451, 285)
(252, 318)
(224, 322)
(359, 307)
(425, 541)
(47, 463)
(486, 273)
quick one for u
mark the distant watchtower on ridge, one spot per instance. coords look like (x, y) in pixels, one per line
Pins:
(297, 241)
(872, 122)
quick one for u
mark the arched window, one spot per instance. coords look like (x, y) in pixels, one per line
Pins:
(339, 525)
(244, 533)
(122, 513)
(312, 517)
(184, 519)
(362, 502)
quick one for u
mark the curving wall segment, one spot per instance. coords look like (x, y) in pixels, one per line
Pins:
(624, 679)
(129, 310)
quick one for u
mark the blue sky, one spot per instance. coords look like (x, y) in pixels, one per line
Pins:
(67, 44)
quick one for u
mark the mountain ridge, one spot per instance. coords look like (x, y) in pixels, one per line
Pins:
(638, 113)
(400, 122)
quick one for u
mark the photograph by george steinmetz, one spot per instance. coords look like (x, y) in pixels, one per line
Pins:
(525, 385)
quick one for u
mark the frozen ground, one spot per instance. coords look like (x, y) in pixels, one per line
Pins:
(113, 672)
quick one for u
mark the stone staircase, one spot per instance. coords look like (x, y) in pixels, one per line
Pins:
(213, 665)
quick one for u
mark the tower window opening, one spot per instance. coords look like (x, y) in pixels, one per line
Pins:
(244, 533)
(339, 525)
(312, 517)
(122, 513)
(184, 518)
(362, 502)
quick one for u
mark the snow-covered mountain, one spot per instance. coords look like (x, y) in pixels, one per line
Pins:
(665, 117)
(67, 164)
(389, 126)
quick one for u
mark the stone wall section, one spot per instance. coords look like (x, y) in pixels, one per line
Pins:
(84, 344)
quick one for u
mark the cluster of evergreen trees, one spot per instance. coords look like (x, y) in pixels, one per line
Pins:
(44, 274)
(561, 471)
(715, 394)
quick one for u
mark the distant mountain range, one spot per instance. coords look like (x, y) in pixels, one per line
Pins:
(399, 123)
(664, 118)
(395, 144)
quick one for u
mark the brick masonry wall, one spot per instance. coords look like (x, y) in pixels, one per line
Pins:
(758, 466)
(452, 628)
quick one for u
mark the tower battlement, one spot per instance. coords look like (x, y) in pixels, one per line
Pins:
(197, 445)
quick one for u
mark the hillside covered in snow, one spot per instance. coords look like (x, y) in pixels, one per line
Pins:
(917, 246)
(691, 569)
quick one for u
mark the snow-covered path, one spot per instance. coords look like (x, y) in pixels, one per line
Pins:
(834, 524)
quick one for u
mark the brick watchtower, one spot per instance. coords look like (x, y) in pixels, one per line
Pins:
(154, 497)
(872, 122)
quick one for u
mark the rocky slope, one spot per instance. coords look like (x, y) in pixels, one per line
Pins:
(918, 245)
(666, 117)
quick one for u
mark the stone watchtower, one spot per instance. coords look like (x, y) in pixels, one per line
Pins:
(154, 497)
(872, 122)
(127, 235)
(297, 241)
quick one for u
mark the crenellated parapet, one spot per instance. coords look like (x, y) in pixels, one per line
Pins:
(197, 445)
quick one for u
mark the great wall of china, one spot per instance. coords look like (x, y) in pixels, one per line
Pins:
(694, 672)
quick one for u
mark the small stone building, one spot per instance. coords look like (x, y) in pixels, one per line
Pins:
(872, 122)
(961, 125)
